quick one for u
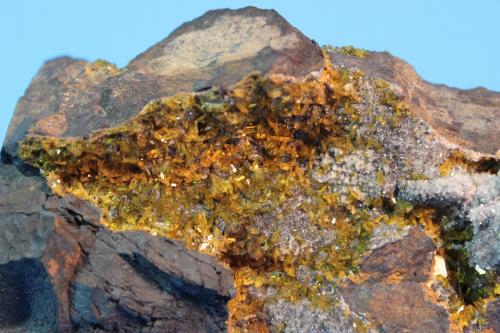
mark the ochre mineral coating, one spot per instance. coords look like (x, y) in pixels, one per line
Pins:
(215, 169)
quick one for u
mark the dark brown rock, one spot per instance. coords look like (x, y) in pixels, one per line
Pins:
(60, 270)
(409, 258)
(397, 307)
(132, 281)
(23, 195)
(393, 294)
(469, 118)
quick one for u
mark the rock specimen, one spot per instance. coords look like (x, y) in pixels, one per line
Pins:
(60, 270)
(236, 176)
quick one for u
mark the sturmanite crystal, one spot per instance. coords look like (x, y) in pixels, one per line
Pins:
(325, 189)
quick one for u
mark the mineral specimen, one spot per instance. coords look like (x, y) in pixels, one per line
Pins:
(327, 182)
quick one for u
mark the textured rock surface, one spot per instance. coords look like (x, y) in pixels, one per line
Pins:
(468, 118)
(61, 270)
(205, 52)
(395, 275)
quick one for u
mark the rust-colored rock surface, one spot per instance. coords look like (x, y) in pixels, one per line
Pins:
(409, 257)
(61, 271)
(393, 294)
(468, 118)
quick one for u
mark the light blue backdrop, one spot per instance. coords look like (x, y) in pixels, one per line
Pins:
(456, 42)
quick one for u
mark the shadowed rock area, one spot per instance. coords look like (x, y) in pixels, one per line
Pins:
(430, 178)
(61, 271)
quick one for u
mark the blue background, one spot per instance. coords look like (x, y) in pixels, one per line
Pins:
(456, 42)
